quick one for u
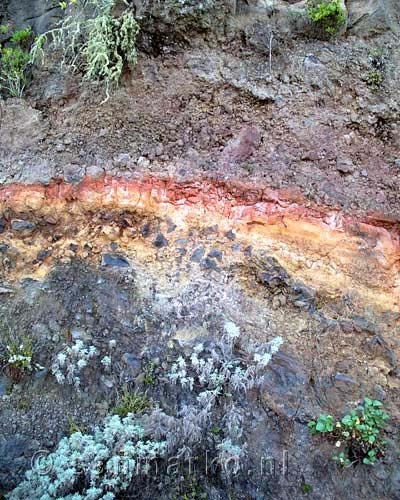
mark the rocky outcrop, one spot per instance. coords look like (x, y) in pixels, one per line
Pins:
(40, 14)
(164, 22)
(369, 17)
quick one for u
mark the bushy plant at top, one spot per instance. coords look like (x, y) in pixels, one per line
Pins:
(93, 40)
(329, 15)
(360, 433)
(14, 62)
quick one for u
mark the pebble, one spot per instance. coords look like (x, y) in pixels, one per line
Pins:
(197, 255)
(145, 230)
(94, 171)
(43, 254)
(248, 251)
(3, 386)
(160, 241)
(345, 165)
(230, 235)
(22, 225)
(363, 324)
(114, 260)
(208, 264)
(182, 242)
(236, 247)
(132, 362)
(341, 377)
(78, 334)
(215, 254)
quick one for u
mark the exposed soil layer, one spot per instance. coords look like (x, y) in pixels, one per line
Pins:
(323, 248)
(215, 184)
(156, 264)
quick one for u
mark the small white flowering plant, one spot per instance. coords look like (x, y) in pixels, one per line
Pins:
(18, 357)
(214, 376)
(69, 363)
(219, 368)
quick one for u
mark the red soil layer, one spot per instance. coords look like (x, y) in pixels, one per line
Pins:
(233, 200)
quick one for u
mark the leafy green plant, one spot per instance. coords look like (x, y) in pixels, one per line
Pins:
(375, 77)
(329, 15)
(131, 402)
(101, 45)
(306, 488)
(4, 28)
(359, 432)
(22, 37)
(73, 427)
(13, 64)
(14, 61)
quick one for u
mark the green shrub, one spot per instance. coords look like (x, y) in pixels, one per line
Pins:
(4, 28)
(101, 46)
(149, 374)
(13, 64)
(359, 432)
(329, 15)
(14, 61)
(22, 37)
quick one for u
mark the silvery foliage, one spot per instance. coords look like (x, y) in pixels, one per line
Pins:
(215, 372)
(220, 369)
(71, 361)
(229, 456)
(103, 464)
(107, 462)
(92, 38)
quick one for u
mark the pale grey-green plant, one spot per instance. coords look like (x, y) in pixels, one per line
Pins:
(103, 464)
(69, 363)
(220, 369)
(94, 40)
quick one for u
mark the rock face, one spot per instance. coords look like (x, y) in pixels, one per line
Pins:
(369, 17)
(366, 17)
(40, 14)
(243, 172)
